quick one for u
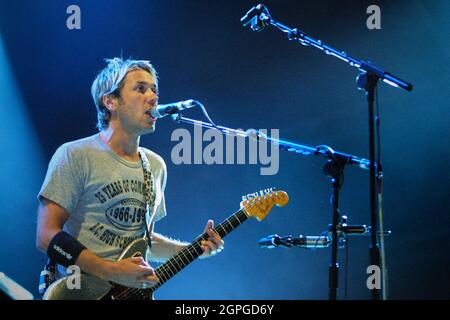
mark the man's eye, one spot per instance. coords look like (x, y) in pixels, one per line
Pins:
(141, 88)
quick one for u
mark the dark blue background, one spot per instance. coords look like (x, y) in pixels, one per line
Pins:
(245, 80)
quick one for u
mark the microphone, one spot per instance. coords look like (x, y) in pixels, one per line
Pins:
(163, 110)
(270, 241)
(251, 13)
(308, 242)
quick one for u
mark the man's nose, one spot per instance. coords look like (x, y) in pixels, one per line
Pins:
(152, 97)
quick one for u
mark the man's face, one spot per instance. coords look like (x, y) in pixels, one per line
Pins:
(138, 95)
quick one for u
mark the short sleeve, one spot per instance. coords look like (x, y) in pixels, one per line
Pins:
(160, 211)
(63, 183)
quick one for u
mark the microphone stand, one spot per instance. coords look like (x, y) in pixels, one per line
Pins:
(318, 242)
(338, 239)
(258, 18)
(334, 168)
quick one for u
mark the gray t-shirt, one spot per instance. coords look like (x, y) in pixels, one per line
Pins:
(103, 194)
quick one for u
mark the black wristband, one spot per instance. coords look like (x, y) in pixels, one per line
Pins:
(64, 249)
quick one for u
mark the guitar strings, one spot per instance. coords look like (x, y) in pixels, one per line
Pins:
(164, 275)
(130, 292)
(165, 268)
(195, 245)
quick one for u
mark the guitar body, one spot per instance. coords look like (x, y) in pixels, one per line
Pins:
(94, 288)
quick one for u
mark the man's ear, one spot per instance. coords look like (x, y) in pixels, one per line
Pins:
(109, 101)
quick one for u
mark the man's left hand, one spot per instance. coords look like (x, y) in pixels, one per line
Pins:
(214, 243)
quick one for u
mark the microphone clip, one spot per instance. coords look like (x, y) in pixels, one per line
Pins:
(257, 17)
(286, 241)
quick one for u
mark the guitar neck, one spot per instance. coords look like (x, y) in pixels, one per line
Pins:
(178, 262)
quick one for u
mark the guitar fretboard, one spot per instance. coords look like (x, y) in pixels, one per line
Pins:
(194, 250)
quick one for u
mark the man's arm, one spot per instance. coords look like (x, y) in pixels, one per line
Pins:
(163, 248)
(131, 272)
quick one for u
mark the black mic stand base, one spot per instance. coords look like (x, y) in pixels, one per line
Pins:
(368, 81)
(334, 168)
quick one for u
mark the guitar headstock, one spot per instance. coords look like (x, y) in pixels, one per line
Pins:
(260, 203)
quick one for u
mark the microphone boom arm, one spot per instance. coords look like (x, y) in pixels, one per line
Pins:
(262, 18)
(285, 145)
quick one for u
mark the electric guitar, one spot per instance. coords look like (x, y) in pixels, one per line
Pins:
(94, 288)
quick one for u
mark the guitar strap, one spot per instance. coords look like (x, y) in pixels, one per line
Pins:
(149, 195)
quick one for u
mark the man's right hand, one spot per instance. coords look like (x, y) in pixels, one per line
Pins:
(132, 272)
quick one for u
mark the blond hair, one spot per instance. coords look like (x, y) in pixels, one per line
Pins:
(110, 80)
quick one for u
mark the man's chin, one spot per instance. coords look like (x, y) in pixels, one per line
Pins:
(149, 129)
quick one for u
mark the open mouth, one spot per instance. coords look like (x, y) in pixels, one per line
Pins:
(149, 113)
